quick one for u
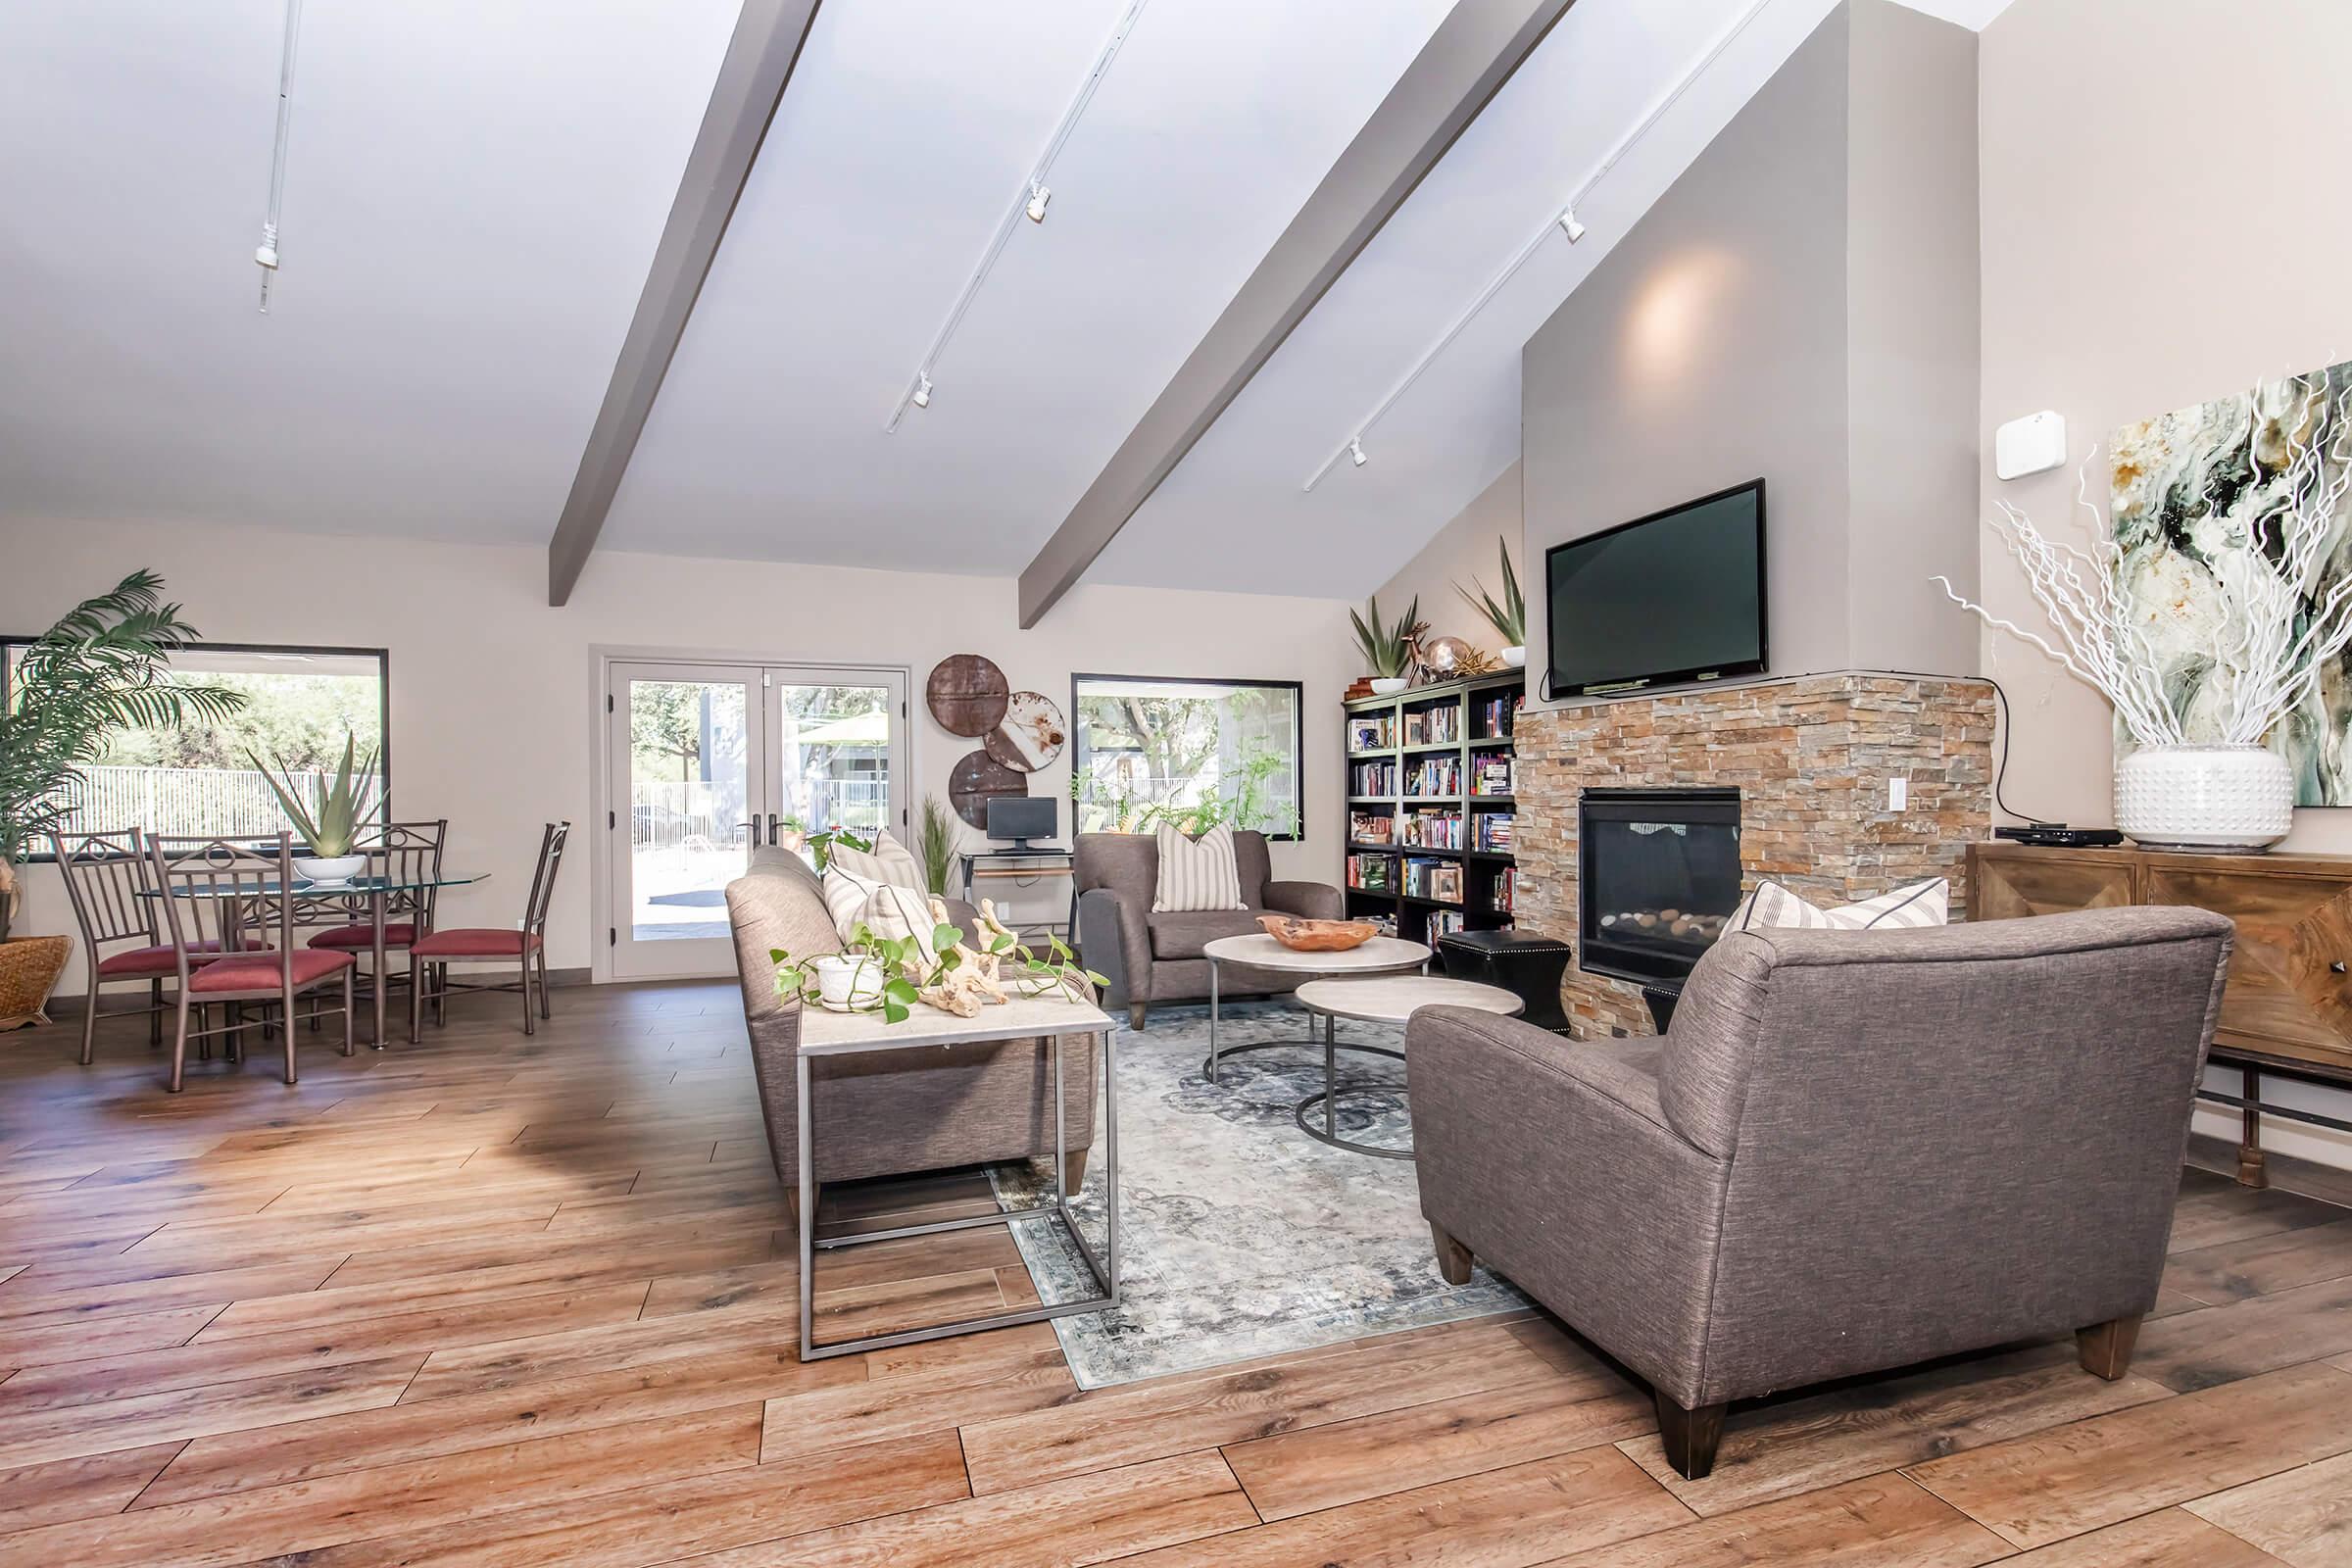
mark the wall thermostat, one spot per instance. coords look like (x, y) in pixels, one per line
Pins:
(2033, 444)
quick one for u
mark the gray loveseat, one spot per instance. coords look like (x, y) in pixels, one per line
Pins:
(901, 1112)
(1854, 1151)
(1153, 957)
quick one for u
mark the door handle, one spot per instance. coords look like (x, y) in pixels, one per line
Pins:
(772, 825)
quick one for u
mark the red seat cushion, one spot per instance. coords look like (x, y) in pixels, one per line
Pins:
(247, 972)
(153, 960)
(362, 938)
(474, 942)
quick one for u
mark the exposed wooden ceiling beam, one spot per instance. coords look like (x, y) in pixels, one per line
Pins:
(767, 40)
(1464, 64)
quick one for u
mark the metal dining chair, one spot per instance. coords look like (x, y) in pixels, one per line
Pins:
(106, 876)
(398, 852)
(432, 955)
(209, 890)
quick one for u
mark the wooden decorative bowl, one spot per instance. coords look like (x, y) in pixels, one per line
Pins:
(1317, 936)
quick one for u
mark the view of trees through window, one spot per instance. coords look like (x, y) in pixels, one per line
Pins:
(199, 778)
(1195, 753)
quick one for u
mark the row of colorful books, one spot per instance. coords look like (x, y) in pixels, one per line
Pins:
(1433, 776)
(1491, 774)
(1432, 830)
(1436, 726)
(1493, 831)
(1498, 716)
(1372, 778)
(1371, 827)
(1440, 881)
(1374, 873)
(1372, 732)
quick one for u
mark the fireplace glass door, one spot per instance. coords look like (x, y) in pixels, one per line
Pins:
(1658, 873)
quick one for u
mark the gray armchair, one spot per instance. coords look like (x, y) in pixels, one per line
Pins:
(894, 1113)
(1854, 1151)
(1153, 957)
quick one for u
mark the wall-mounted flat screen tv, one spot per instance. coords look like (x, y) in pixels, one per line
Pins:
(1676, 596)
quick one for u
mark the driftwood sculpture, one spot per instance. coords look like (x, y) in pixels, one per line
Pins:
(969, 984)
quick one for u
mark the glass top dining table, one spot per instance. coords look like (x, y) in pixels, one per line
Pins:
(374, 890)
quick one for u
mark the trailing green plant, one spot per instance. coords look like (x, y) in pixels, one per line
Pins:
(1388, 649)
(819, 844)
(904, 969)
(1508, 617)
(347, 801)
(103, 666)
(934, 844)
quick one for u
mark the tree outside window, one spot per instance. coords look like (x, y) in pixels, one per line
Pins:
(1193, 752)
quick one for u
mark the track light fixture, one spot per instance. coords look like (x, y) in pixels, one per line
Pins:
(1039, 195)
(922, 392)
(1356, 451)
(1570, 226)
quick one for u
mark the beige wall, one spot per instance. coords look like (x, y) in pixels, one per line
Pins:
(1463, 552)
(2163, 222)
(493, 711)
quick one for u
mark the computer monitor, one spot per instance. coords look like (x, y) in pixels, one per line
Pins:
(1019, 818)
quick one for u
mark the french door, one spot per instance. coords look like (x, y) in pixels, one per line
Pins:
(709, 762)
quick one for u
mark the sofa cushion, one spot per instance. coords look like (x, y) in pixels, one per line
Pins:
(1914, 905)
(887, 861)
(885, 908)
(1195, 873)
(1184, 934)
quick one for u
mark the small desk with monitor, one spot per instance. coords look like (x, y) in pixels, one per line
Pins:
(1014, 824)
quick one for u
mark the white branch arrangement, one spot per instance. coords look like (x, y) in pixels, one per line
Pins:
(2271, 650)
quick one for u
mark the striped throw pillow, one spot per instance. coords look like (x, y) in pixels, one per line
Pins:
(1921, 904)
(1196, 873)
(887, 861)
(882, 908)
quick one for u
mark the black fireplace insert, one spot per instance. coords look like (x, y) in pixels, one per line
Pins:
(1659, 871)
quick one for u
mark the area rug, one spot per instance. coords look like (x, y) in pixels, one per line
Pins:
(1241, 1235)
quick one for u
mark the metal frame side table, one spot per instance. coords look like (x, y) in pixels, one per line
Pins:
(1380, 955)
(1390, 998)
(843, 1033)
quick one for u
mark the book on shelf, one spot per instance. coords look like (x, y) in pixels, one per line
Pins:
(1494, 831)
(1372, 874)
(1438, 880)
(1444, 923)
(1372, 778)
(1433, 830)
(1372, 732)
(1506, 890)
(1434, 726)
(1498, 716)
(1434, 776)
(1371, 827)
(1491, 774)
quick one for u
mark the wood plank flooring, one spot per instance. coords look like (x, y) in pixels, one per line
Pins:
(506, 1301)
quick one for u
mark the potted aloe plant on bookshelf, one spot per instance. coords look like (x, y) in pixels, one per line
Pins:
(331, 833)
(1388, 649)
(1508, 616)
(102, 668)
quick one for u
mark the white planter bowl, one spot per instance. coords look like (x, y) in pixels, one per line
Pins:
(341, 868)
(1388, 685)
(2210, 799)
(849, 984)
(1514, 657)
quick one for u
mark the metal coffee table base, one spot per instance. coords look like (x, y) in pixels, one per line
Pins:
(1218, 1053)
(1333, 1091)
(1105, 1270)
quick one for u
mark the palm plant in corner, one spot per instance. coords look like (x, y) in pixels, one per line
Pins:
(1509, 616)
(103, 666)
(1388, 649)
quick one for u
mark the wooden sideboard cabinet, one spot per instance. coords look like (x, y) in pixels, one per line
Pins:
(2288, 1007)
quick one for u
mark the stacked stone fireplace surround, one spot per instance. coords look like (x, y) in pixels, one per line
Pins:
(1810, 756)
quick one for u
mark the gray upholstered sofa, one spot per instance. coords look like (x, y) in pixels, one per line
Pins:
(894, 1114)
(1156, 958)
(1854, 1151)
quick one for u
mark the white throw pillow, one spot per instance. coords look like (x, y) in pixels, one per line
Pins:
(1920, 903)
(882, 908)
(1196, 873)
(887, 861)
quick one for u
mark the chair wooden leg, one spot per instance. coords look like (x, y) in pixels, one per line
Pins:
(1690, 1436)
(1073, 1171)
(1453, 1259)
(1137, 1012)
(792, 1199)
(2106, 1347)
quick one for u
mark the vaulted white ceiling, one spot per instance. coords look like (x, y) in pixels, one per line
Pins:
(474, 193)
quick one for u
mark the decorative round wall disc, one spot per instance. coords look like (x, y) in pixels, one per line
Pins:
(978, 778)
(1031, 734)
(967, 694)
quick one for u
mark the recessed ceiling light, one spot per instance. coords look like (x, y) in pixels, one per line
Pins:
(1039, 195)
(922, 392)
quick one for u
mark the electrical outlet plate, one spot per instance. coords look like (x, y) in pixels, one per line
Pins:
(1898, 794)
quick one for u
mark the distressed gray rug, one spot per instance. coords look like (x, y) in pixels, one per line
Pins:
(1241, 1235)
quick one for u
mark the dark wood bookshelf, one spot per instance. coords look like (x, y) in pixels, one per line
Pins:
(1479, 871)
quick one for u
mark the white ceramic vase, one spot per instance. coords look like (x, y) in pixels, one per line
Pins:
(850, 983)
(339, 869)
(1514, 657)
(2215, 799)
(1388, 685)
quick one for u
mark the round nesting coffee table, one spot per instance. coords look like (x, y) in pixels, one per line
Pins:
(1392, 999)
(1380, 955)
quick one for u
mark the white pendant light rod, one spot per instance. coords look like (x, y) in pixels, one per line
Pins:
(1029, 201)
(264, 255)
(1564, 221)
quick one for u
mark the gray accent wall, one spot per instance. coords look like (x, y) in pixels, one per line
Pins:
(1718, 343)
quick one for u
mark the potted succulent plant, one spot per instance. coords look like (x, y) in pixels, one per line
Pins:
(1388, 649)
(106, 665)
(346, 803)
(1508, 617)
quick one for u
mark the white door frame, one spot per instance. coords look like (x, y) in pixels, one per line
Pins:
(601, 659)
